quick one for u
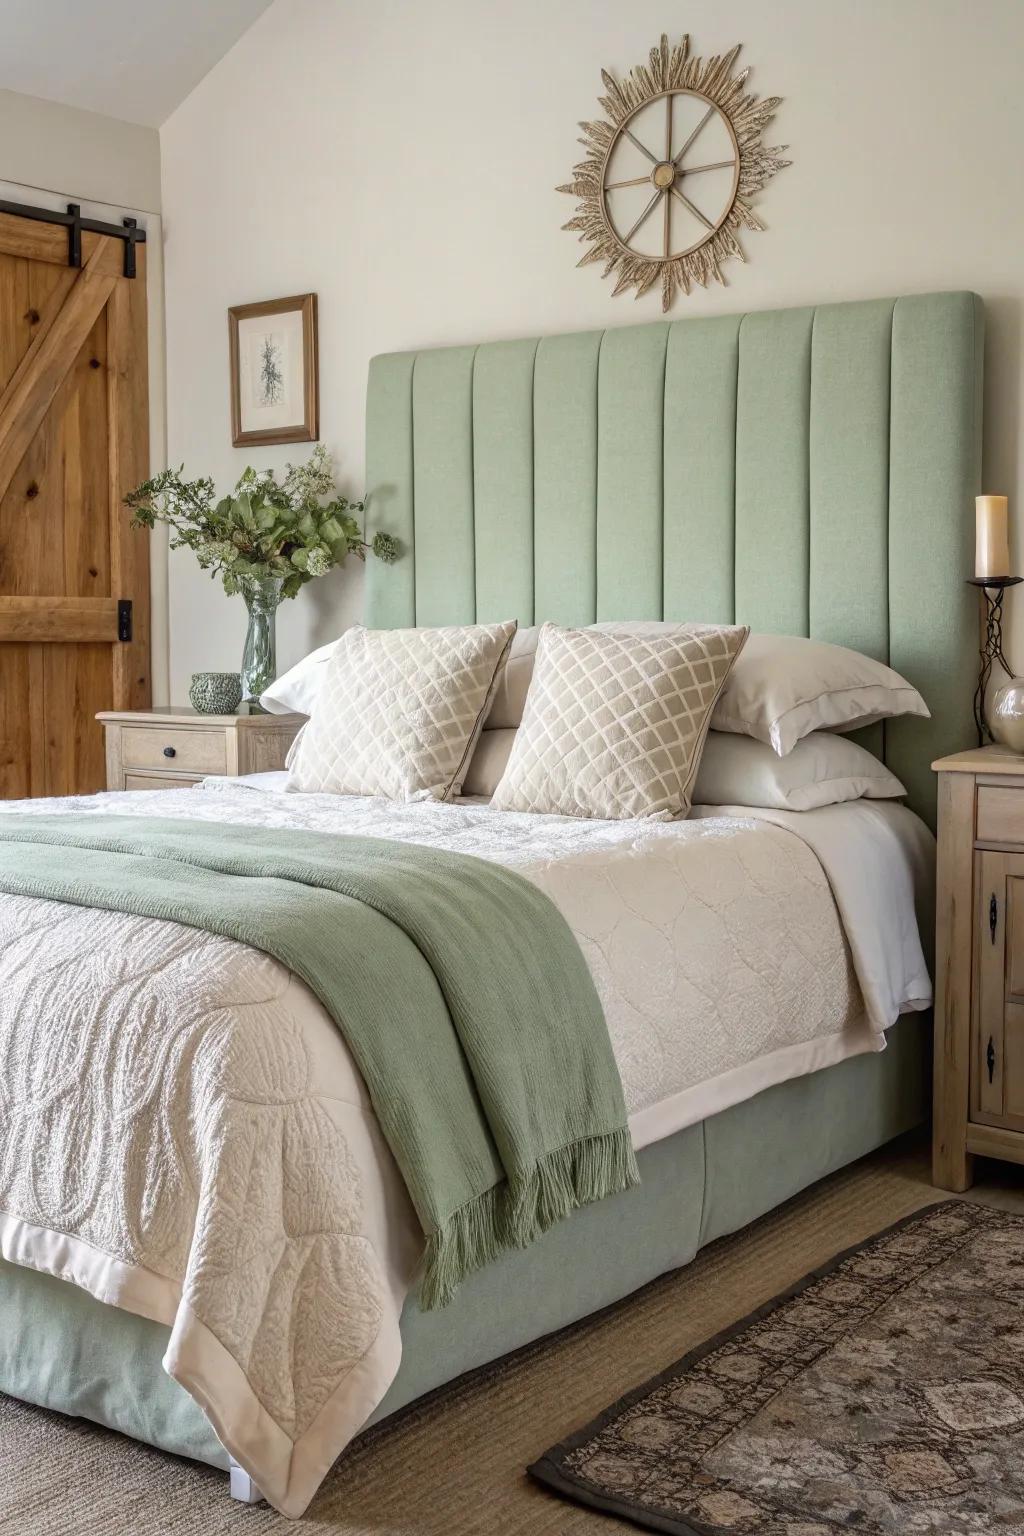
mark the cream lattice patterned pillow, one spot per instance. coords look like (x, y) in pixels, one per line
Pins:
(400, 710)
(614, 724)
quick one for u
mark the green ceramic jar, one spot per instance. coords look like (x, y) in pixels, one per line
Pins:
(215, 693)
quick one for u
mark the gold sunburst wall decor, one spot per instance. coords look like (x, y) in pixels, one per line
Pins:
(670, 177)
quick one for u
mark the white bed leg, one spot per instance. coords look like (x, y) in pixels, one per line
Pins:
(242, 1486)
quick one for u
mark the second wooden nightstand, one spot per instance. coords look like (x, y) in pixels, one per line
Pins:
(979, 963)
(174, 748)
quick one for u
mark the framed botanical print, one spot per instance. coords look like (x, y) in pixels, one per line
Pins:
(275, 390)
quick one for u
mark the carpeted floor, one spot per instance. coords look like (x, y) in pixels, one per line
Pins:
(453, 1465)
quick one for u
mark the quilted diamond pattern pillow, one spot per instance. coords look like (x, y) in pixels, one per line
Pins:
(399, 711)
(614, 723)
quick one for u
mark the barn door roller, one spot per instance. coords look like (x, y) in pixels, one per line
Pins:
(128, 230)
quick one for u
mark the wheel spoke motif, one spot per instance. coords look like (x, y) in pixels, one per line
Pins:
(655, 200)
(641, 147)
(693, 208)
(708, 115)
(695, 170)
(667, 237)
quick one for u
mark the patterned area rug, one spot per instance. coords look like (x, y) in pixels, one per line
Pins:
(883, 1394)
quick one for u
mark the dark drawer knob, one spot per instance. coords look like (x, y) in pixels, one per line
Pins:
(169, 752)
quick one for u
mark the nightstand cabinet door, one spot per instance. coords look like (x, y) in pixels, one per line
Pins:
(998, 1055)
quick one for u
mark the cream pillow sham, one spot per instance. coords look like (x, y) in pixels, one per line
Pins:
(614, 724)
(822, 769)
(489, 761)
(399, 711)
(787, 686)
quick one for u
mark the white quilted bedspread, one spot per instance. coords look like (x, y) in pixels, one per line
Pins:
(183, 1133)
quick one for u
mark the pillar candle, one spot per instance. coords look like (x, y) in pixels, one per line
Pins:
(992, 543)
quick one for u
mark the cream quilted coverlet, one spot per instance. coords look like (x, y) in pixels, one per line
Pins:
(183, 1133)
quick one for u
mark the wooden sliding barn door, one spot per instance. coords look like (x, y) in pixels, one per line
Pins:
(74, 435)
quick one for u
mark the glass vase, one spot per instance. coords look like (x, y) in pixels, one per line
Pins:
(1006, 717)
(259, 658)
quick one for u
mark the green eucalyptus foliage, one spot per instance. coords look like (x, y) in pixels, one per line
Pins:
(295, 528)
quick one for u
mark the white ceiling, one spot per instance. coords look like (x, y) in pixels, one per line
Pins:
(133, 59)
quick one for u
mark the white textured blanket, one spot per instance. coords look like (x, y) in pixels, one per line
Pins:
(183, 1133)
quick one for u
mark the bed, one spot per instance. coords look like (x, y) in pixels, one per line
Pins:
(804, 471)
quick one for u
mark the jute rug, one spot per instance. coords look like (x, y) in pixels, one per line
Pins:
(454, 1464)
(883, 1393)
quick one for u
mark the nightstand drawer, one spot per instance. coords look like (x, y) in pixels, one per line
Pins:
(173, 748)
(156, 781)
(1000, 814)
(184, 751)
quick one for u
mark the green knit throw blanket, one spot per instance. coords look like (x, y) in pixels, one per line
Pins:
(457, 985)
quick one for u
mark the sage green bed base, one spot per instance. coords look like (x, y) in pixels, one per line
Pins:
(65, 1351)
(804, 471)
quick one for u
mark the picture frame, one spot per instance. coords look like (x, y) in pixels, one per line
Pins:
(275, 385)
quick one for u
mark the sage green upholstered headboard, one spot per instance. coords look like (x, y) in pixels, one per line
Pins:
(803, 471)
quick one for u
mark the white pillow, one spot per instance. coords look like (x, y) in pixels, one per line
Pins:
(784, 687)
(510, 695)
(399, 711)
(822, 769)
(296, 692)
(488, 762)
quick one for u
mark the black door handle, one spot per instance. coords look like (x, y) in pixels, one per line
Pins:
(169, 752)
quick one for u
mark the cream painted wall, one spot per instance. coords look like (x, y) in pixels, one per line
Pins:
(51, 155)
(44, 144)
(400, 159)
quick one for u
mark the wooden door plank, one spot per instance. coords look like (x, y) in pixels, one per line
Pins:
(82, 414)
(36, 313)
(41, 311)
(54, 537)
(128, 464)
(49, 620)
(36, 241)
(30, 296)
(76, 682)
(26, 400)
(16, 713)
(32, 518)
(38, 775)
(16, 308)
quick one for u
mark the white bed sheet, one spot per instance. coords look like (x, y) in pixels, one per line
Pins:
(720, 973)
(879, 862)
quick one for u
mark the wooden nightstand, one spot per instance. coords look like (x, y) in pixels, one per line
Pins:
(175, 748)
(979, 964)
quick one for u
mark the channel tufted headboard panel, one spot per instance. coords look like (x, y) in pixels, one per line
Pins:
(803, 471)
